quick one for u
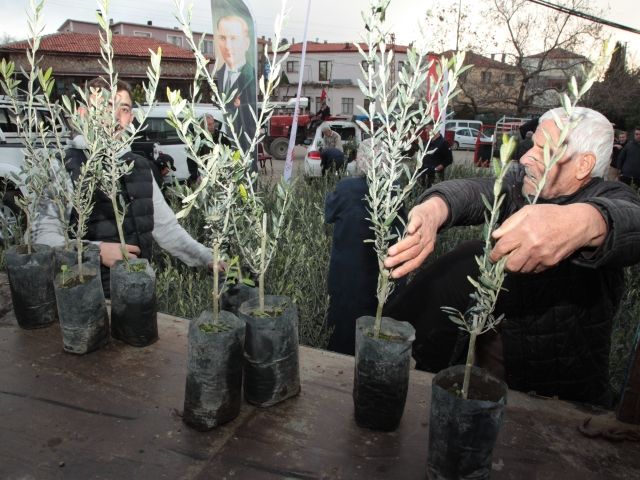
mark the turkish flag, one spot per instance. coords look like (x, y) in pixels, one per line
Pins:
(323, 95)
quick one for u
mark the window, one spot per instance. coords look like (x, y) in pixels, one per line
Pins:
(292, 66)
(324, 71)
(509, 78)
(485, 77)
(158, 130)
(141, 34)
(347, 105)
(175, 39)
(7, 121)
(207, 47)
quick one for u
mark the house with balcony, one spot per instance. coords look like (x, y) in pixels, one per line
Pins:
(335, 69)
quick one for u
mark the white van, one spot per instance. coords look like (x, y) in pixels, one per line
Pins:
(455, 124)
(161, 137)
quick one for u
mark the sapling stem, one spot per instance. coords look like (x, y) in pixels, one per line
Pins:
(216, 291)
(79, 254)
(471, 356)
(263, 252)
(384, 280)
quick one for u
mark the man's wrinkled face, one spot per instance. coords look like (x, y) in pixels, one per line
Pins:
(233, 41)
(622, 138)
(561, 178)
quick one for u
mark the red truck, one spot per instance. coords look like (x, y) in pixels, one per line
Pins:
(276, 140)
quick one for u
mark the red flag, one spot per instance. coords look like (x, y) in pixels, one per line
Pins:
(323, 95)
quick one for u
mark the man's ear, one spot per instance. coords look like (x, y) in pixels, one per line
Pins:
(586, 164)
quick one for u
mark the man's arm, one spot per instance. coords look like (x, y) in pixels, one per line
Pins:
(168, 233)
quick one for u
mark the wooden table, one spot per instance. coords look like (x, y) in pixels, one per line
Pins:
(115, 414)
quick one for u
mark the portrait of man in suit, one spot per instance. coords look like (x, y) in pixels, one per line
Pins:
(236, 77)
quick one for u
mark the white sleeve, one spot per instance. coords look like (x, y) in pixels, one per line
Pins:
(48, 228)
(168, 233)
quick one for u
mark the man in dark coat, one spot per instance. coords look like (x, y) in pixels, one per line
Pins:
(147, 217)
(565, 256)
(629, 160)
(237, 75)
(436, 160)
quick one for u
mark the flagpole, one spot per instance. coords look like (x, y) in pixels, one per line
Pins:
(288, 165)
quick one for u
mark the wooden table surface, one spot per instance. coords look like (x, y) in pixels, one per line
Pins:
(115, 414)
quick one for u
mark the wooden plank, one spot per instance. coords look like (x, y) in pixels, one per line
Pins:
(115, 414)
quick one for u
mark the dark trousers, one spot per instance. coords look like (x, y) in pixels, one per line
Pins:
(428, 177)
(331, 158)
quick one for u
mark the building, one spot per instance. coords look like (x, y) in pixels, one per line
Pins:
(488, 89)
(551, 72)
(334, 68)
(75, 58)
(173, 35)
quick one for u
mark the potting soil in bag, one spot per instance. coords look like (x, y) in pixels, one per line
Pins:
(213, 391)
(84, 321)
(31, 284)
(381, 377)
(271, 367)
(134, 316)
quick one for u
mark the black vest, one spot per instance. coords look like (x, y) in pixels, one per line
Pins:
(137, 189)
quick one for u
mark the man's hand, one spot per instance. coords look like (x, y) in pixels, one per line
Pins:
(538, 237)
(410, 252)
(222, 267)
(110, 253)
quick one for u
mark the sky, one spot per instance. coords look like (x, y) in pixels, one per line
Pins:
(331, 20)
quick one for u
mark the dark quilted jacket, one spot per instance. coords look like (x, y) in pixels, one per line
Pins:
(556, 332)
(137, 189)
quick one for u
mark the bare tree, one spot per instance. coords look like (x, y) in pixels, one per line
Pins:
(6, 38)
(540, 42)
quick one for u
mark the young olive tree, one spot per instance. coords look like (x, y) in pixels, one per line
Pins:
(479, 318)
(105, 139)
(234, 204)
(39, 124)
(403, 116)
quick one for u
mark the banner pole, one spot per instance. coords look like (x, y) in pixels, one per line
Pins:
(288, 166)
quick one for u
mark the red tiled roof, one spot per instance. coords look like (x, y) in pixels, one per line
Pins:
(315, 47)
(89, 44)
(480, 61)
(557, 53)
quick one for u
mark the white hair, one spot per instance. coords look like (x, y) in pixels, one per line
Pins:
(592, 134)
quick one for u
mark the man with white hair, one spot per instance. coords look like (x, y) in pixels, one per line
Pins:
(564, 257)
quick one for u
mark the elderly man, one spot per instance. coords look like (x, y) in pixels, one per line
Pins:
(237, 75)
(565, 256)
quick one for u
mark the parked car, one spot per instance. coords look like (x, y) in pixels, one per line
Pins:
(159, 137)
(455, 124)
(466, 137)
(350, 134)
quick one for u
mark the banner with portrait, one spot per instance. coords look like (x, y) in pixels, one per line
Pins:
(235, 46)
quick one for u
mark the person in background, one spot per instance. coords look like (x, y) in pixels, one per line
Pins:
(618, 145)
(161, 167)
(629, 160)
(331, 153)
(353, 266)
(524, 145)
(436, 160)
